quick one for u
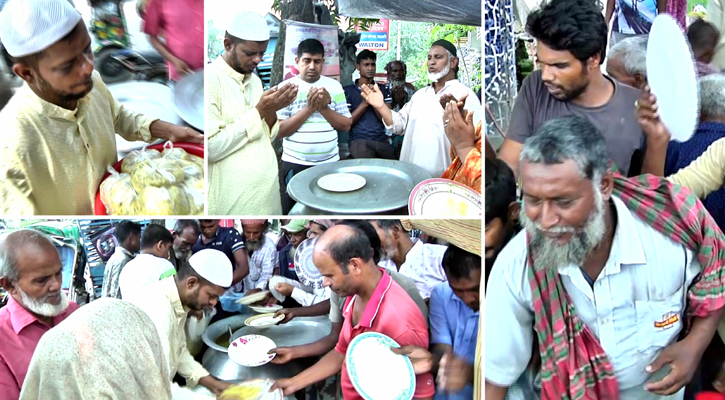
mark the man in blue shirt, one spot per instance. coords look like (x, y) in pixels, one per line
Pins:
(226, 240)
(367, 135)
(454, 308)
(453, 317)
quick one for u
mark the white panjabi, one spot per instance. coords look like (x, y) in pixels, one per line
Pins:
(31, 26)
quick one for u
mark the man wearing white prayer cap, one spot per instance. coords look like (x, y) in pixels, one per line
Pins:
(195, 287)
(241, 124)
(59, 128)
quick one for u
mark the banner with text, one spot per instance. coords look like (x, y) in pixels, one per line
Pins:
(375, 38)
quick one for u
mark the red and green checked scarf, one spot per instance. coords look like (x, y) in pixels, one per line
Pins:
(573, 364)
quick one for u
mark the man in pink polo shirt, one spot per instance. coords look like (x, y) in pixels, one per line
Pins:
(181, 22)
(30, 271)
(375, 303)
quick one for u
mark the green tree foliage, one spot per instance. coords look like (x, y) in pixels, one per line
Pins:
(215, 44)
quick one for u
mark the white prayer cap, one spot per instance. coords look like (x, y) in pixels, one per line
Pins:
(249, 25)
(214, 266)
(31, 26)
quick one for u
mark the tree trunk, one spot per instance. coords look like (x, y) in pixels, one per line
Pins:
(294, 10)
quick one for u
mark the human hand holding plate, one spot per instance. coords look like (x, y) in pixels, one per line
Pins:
(421, 358)
(649, 118)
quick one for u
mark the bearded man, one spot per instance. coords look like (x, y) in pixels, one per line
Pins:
(603, 274)
(425, 143)
(31, 272)
(186, 233)
(59, 129)
(242, 122)
(262, 255)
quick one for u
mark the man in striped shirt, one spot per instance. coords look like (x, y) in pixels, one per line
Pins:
(309, 125)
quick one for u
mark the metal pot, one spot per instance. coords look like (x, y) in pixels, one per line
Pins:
(299, 331)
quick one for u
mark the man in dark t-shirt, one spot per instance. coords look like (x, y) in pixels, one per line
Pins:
(367, 135)
(571, 40)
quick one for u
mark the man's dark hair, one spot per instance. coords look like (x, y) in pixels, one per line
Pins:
(124, 229)
(365, 55)
(233, 39)
(389, 66)
(355, 245)
(577, 26)
(370, 232)
(153, 234)
(182, 224)
(500, 190)
(703, 36)
(312, 47)
(388, 224)
(459, 264)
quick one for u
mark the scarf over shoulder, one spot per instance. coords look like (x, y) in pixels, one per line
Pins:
(573, 364)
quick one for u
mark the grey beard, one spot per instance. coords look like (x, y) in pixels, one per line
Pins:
(254, 245)
(395, 83)
(550, 254)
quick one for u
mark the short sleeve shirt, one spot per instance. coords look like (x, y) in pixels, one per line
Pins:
(389, 311)
(369, 126)
(455, 324)
(337, 303)
(316, 140)
(616, 119)
(226, 240)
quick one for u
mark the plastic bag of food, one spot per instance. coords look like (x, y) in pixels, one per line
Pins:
(118, 194)
(194, 188)
(177, 153)
(150, 174)
(154, 200)
(138, 156)
(188, 168)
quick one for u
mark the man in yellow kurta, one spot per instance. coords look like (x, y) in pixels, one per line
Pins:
(58, 131)
(241, 124)
(196, 286)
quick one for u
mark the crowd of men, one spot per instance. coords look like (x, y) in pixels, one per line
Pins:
(439, 124)
(375, 277)
(605, 279)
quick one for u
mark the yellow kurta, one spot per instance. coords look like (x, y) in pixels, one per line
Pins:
(52, 159)
(243, 172)
(161, 302)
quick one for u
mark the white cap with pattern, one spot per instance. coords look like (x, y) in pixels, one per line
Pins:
(214, 266)
(31, 26)
(249, 25)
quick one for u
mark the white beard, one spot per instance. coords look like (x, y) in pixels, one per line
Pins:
(436, 76)
(41, 307)
(551, 254)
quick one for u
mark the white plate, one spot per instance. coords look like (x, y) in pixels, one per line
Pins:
(342, 182)
(263, 320)
(376, 372)
(253, 298)
(442, 197)
(151, 99)
(251, 350)
(264, 385)
(306, 270)
(266, 309)
(669, 57)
